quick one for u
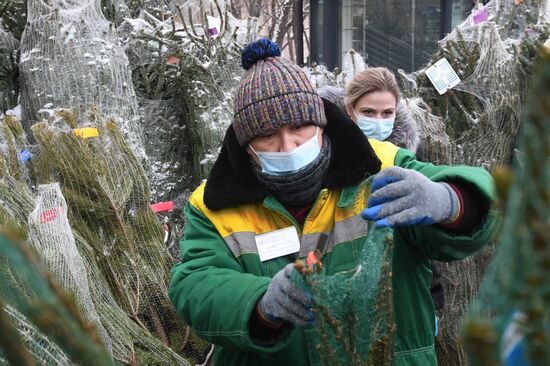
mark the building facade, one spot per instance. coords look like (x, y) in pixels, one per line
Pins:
(398, 34)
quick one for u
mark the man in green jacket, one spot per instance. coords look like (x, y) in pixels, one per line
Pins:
(290, 175)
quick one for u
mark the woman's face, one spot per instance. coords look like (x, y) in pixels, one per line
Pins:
(376, 104)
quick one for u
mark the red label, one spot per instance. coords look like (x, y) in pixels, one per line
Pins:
(172, 60)
(51, 214)
(162, 206)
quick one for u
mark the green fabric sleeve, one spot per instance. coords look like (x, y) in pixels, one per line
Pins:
(209, 289)
(433, 241)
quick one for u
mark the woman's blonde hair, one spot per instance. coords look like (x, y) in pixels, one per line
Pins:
(370, 80)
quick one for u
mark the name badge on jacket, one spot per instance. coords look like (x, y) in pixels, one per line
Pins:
(277, 243)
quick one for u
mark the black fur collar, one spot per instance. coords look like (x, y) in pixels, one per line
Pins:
(232, 181)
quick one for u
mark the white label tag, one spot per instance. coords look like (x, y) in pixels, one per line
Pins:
(442, 76)
(278, 243)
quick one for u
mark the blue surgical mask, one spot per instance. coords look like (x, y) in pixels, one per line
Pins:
(378, 129)
(288, 162)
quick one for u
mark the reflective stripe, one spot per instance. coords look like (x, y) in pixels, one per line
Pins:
(241, 243)
(344, 231)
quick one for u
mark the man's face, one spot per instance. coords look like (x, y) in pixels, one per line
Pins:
(285, 139)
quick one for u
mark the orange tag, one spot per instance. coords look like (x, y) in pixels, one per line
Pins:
(518, 2)
(313, 257)
(86, 132)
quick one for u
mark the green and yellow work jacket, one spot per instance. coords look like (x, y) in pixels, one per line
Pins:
(220, 279)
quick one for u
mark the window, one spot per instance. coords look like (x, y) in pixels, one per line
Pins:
(398, 34)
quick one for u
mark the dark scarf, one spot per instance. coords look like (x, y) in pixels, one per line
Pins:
(232, 181)
(301, 187)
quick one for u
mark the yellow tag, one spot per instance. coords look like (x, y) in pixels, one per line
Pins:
(86, 132)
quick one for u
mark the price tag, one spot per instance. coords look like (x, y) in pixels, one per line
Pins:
(162, 206)
(442, 76)
(214, 25)
(51, 214)
(481, 16)
(278, 243)
(86, 132)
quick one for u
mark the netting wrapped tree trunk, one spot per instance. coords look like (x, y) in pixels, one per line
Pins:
(71, 57)
(52, 236)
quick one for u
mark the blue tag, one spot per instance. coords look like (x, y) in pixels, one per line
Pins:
(24, 156)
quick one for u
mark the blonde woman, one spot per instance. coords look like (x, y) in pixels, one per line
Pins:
(373, 102)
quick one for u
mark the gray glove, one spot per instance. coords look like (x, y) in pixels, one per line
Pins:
(284, 301)
(406, 197)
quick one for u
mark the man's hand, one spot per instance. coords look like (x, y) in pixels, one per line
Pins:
(284, 301)
(406, 197)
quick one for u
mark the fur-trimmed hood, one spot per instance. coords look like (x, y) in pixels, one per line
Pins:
(405, 129)
(232, 181)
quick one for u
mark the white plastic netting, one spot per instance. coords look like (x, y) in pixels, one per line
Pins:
(183, 73)
(51, 234)
(71, 58)
(8, 65)
(481, 114)
(73, 73)
(123, 287)
(188, 72)
(42, 349)
(354, 321)
(165, 142)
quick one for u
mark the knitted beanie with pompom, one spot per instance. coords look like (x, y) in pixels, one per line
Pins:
(274, 92)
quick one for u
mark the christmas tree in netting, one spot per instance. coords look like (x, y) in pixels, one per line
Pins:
(101, 242)
(509, 322)
(354, 322)
(72, 58)
(107, 191)
(477, 121)
(28, 294)
(79, 192)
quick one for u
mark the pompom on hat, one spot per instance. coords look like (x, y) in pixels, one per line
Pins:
(274, 92)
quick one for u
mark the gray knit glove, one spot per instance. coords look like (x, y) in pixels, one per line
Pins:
(406, 197)
(284, 301)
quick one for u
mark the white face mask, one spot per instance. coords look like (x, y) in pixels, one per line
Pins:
(378, 129)
(288, 162)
